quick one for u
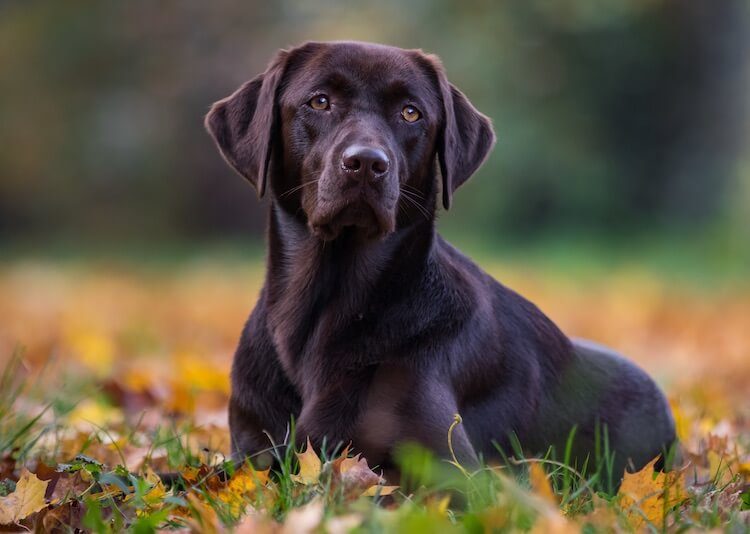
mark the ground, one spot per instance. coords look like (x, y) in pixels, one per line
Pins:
(115, 371)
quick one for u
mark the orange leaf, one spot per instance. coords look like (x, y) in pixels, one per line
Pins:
(647, 496)
(540, 484)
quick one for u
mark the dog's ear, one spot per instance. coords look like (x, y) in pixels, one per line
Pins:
(466, 135)
(243, 124)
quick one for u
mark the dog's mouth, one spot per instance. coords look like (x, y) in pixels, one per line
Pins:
(361, 217)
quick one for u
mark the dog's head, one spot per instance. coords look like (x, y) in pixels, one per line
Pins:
(348, 133)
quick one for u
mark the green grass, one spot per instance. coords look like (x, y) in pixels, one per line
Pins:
(435, 495)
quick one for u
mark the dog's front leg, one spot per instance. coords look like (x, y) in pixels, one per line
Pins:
(330, 412)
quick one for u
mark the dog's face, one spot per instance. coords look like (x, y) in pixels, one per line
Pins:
(349, 133)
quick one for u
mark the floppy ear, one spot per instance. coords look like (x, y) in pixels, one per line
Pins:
(243, 124)
(466, 138)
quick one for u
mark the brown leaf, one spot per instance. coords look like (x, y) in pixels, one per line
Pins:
(352, 475)
(27, 499)
(67, 486)
(63, 518)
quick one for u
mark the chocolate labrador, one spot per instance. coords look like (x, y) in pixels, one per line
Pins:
(370, 327)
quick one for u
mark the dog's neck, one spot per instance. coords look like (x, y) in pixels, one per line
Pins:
(312, 283)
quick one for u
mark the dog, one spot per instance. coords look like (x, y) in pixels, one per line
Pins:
(370, 328)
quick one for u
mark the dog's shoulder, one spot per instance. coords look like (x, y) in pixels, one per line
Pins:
(507, 328)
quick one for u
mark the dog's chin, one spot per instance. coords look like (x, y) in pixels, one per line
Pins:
(360, 219)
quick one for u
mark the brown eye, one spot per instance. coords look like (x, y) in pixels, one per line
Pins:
(320, 103)
(410, 114)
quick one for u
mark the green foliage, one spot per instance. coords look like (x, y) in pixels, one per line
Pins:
(622, 116)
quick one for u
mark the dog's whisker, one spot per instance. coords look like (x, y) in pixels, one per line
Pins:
(298, 187)
(416, 205)
(412, 194)
(411, 198)
(419, 208)
(413, 190)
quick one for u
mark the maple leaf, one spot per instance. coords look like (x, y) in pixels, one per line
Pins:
(244, 481)
(309, 466)
(647, 495)
(154, 498)
(27, 499)
(353, 475)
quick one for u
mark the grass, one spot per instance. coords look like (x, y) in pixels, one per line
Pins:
(434, 495)
(124, 374)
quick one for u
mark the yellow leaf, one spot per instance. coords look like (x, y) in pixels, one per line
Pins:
(309, 466)
(721, 467)
(744, 469)
(438, 505)
(244, 481)
(681, 421)
(93, 349)
(155, 496)
(89, 412)
(196, 371)
(540, 484)
(27, 499)
(647, 496)
(380, 490)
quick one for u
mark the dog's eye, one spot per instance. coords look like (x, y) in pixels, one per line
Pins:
(410, 114)
(320, 102)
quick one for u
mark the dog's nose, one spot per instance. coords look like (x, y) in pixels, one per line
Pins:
(363, 162)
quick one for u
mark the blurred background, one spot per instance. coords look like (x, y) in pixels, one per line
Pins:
(619, 122)
(617, 197)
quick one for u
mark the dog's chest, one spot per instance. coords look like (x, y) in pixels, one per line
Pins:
(381, 421)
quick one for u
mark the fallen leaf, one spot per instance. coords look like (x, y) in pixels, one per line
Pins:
(647, 495)
(309, 466)
(304, 519)
(27, 499)
(540, 484)
(353, 476)
(155, 496)
(64, 518)
(380, 490)
(244, 482)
